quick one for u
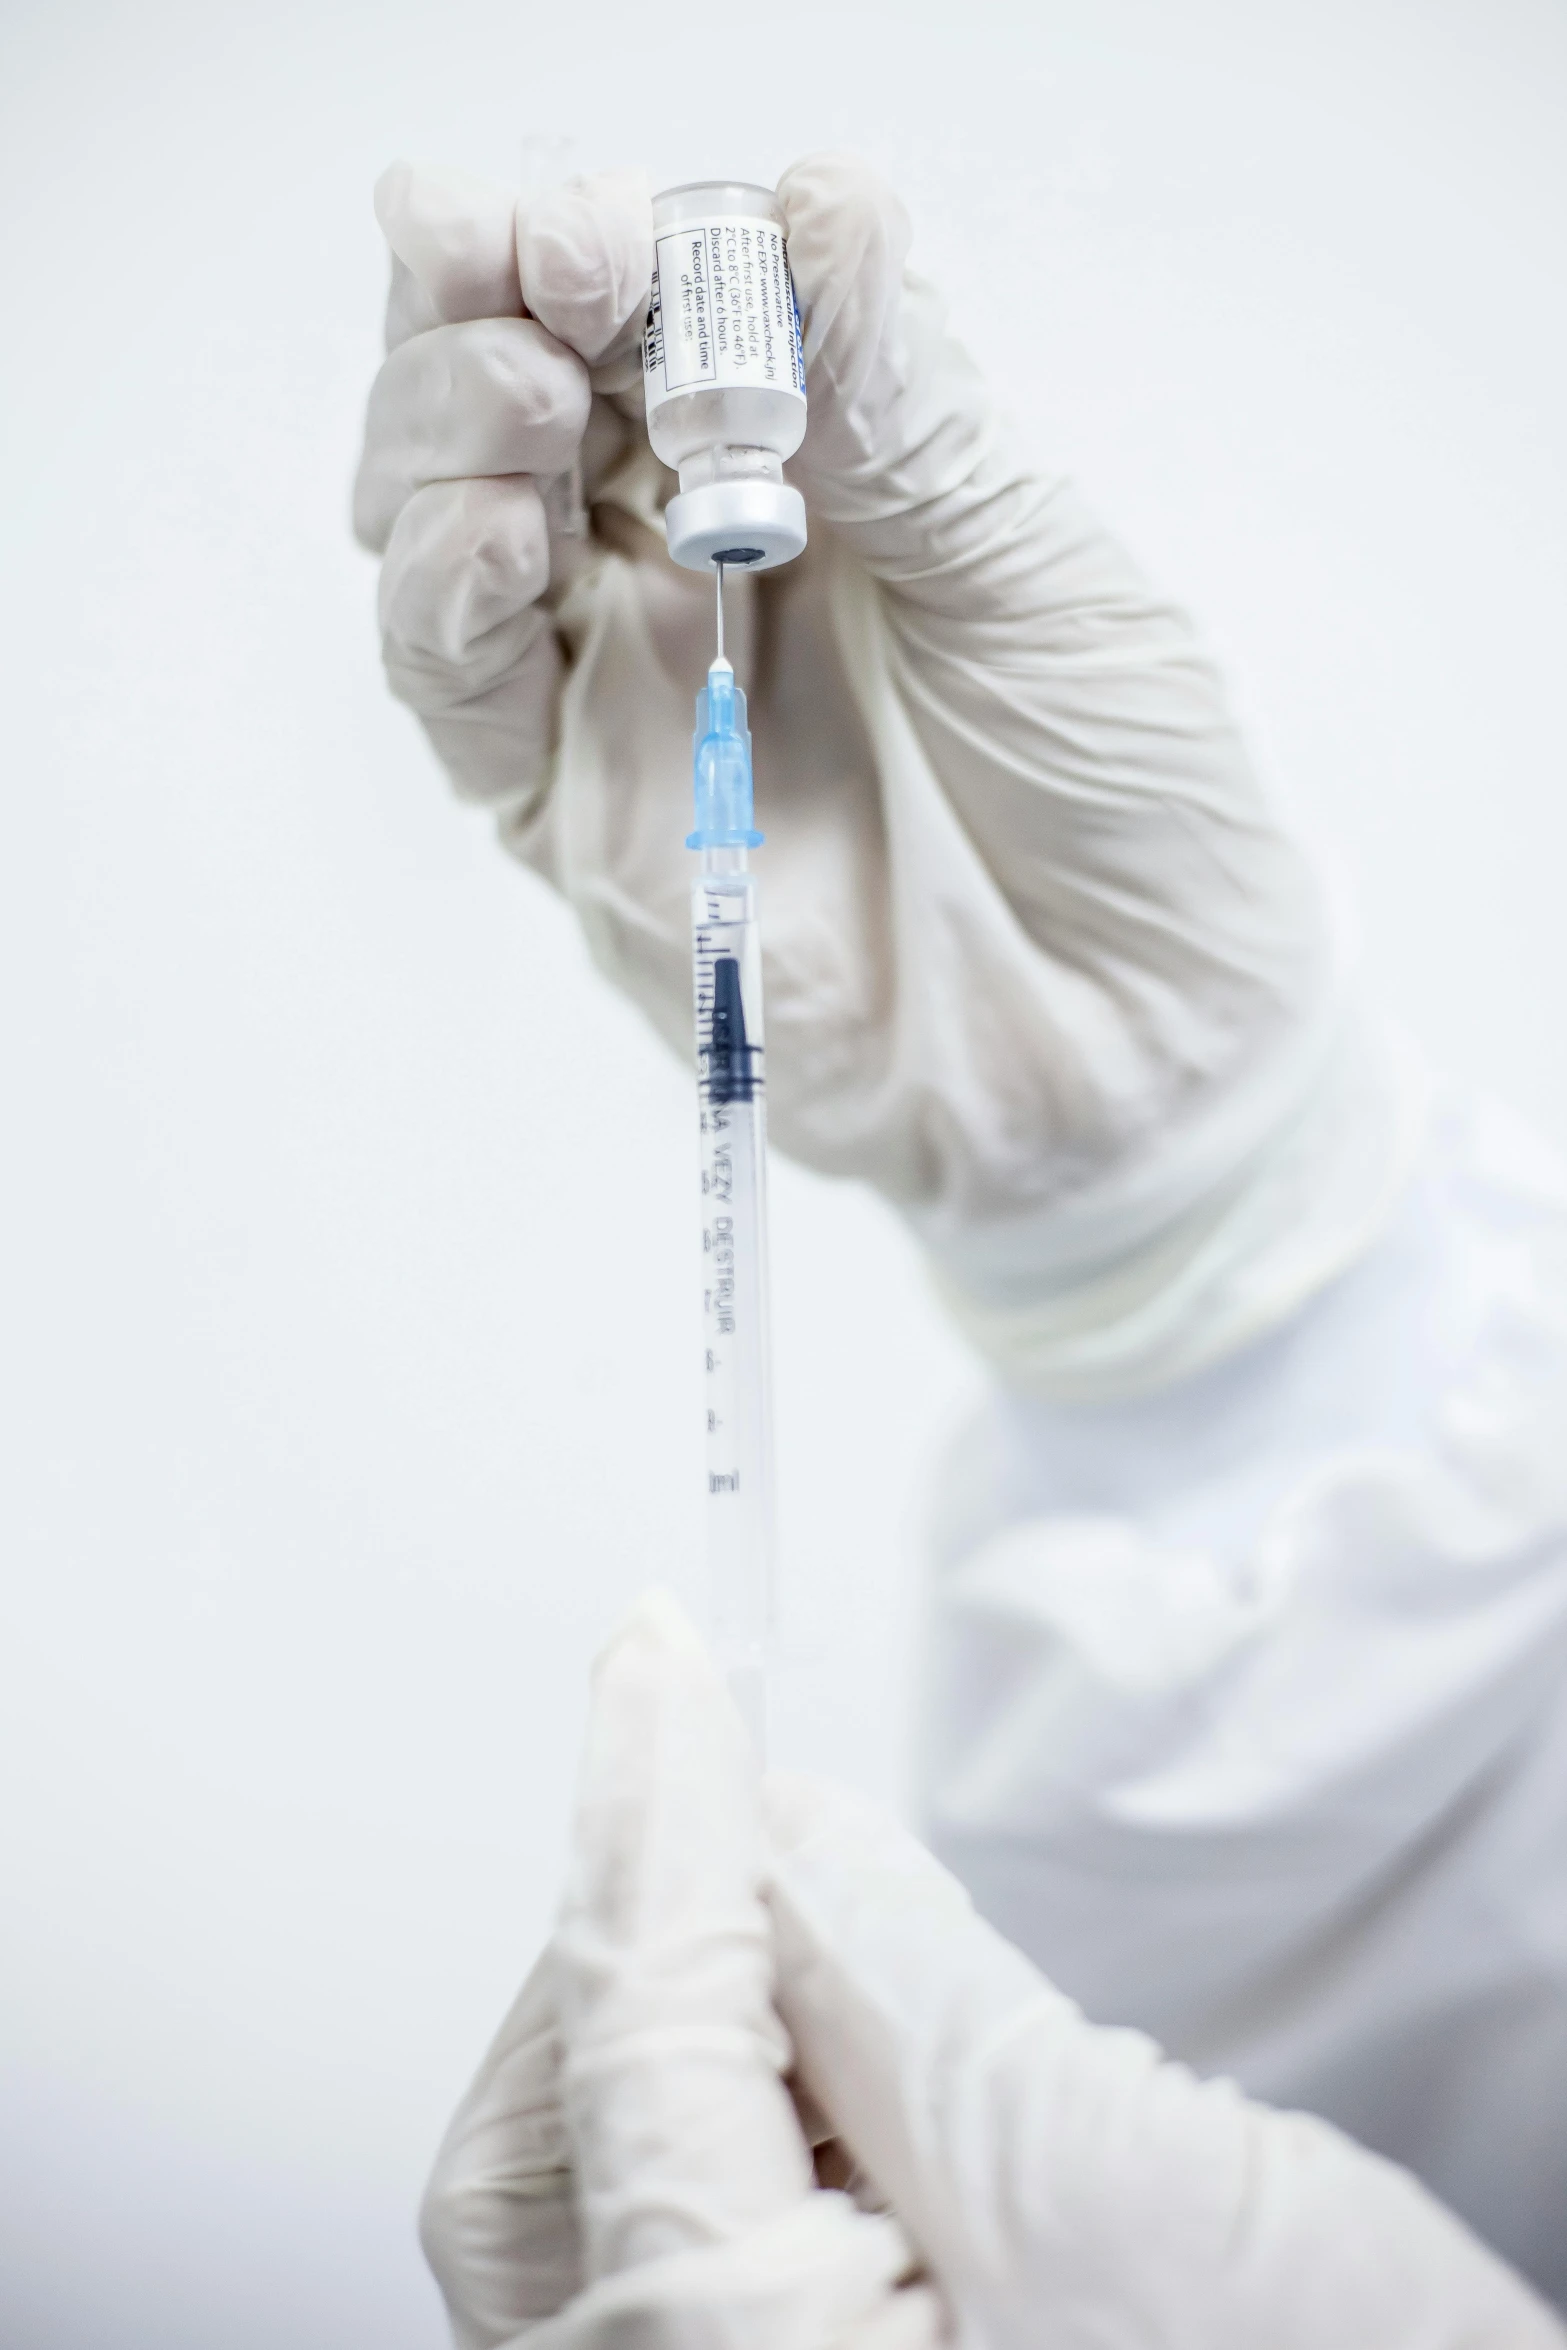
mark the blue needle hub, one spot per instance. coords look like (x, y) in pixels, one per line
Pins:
(721, 766)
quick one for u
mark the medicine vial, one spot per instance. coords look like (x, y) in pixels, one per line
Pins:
(724, 375)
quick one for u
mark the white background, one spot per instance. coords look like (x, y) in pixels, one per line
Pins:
(350, 1373)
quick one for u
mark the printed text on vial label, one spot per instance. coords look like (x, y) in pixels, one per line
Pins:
(723, 309)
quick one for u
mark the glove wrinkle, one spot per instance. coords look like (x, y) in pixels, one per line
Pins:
(806, 2280)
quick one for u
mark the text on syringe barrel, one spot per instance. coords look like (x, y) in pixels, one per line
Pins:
(732, 1096)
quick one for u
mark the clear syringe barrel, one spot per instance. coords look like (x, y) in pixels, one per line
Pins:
(727, 976)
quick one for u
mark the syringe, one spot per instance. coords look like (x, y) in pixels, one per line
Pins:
(726, 965)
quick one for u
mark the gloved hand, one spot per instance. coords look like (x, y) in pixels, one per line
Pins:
(1040, 962)
(628, 2167)
(629, 2163)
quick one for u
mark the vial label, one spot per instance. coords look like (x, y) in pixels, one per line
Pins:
(723, 312)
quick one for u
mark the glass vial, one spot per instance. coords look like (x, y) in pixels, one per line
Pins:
(725, 375)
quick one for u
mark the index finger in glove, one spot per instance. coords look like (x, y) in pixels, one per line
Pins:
(585, 262)
(454, 247)
(486, 396)
(578, 257)
(683, 2130)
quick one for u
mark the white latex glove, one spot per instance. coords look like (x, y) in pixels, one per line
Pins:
(1041, 963)
(629, 2163)
(629, 2168)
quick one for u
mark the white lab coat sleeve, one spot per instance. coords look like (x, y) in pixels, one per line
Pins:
(1246, 1704)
